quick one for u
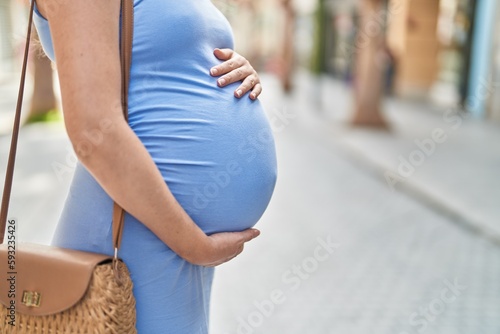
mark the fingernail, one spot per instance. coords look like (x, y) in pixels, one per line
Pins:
(238, 92)
(252, 95)
(214, 71)
(222, 82)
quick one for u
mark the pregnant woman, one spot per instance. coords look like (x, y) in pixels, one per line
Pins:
(194, 167)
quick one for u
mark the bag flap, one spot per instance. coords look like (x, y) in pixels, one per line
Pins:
(51, 279)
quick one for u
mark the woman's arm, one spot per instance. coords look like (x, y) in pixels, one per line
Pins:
(86, 42)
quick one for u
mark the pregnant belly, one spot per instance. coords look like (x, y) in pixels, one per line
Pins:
(217, 157)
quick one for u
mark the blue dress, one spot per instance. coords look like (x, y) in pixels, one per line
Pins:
(215, 152)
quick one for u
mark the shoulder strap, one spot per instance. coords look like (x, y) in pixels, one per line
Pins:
(127, 12)
(127, 34)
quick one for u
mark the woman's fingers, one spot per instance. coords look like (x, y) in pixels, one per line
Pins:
(236, 68)
(229, 245)
(235, 76)
(257, 89)
(232, 61)
(249, 83)
(238, 73)
(248, 235)
(223, 54)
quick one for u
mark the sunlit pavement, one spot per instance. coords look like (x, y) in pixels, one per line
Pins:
(340, 251)
(400, 263)
(441, 156)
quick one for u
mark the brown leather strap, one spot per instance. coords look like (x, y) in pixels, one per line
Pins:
(127, 34)
(126, 49)
(127, 24)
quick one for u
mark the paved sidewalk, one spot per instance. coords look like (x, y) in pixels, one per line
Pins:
(340, 251)
(396, 266)
(438, 155)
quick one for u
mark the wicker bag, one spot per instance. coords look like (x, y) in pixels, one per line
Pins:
(50, 290)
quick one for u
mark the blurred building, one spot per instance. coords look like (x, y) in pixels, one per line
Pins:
(446, 51)
(431, 41)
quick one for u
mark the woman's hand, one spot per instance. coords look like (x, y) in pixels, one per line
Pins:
(223, 247)
(236, 68)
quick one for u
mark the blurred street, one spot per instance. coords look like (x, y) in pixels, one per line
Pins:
(344, 247)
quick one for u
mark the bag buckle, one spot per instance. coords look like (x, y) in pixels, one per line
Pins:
(31, 298)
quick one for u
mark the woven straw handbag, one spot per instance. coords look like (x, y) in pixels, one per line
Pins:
(50, 290)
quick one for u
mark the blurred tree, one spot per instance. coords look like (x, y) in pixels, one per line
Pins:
(319, 52)
(288, 45)
(369, 72)
(43, 102)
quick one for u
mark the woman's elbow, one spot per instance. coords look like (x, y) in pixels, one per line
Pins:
(89, 136)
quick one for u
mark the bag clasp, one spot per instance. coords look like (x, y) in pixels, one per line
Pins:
(31, 298)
